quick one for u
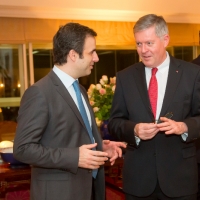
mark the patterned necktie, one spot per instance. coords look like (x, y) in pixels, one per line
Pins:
(85, 117)
(153, 91)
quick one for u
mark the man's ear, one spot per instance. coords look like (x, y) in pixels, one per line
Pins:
(72, 55)
(166, 40)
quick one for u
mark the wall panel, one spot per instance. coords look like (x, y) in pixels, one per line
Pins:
(18, 30)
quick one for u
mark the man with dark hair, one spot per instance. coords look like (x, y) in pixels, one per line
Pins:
(160, 160)
(57, 132)
(66, 39)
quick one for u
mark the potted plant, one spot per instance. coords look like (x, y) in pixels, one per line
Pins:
(100, 97)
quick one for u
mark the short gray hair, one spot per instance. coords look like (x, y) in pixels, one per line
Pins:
(150, 20)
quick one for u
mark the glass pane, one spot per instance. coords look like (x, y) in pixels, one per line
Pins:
(11, 87)
(106, 64)
(184, 53)
(9, 113)
(8, 124)
(111, 61)
(9, 71)
(126, 58)
(43, 62)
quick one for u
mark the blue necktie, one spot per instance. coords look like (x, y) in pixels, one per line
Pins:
(84, 116)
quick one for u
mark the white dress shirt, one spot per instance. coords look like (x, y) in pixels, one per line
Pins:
(68, 81)
(161, 76)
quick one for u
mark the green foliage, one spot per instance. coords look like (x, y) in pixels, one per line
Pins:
(101, 96)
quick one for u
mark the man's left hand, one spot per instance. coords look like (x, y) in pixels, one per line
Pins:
(113, 149)
(172, 127)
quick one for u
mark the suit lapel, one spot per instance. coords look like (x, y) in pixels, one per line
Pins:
(174, 76)
(60, 88)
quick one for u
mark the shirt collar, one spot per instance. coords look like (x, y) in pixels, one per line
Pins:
(163, 66)
(66, 79)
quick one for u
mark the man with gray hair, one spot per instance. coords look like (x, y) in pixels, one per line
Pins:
(156, 110)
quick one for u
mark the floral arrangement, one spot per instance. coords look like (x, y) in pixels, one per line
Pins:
(100, 97)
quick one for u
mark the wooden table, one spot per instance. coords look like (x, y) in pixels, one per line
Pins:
(14, 179)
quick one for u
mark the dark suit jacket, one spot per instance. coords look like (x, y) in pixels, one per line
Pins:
(167, 159)
(49, 133)
(197, 62)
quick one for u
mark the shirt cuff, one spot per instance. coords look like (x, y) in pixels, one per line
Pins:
(184, 136)
(137, 140)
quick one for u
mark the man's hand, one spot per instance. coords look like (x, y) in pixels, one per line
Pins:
(172, 127)
(146, 131)
(113, 149)
(91, 159)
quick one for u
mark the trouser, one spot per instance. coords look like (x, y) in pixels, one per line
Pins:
(159, 195)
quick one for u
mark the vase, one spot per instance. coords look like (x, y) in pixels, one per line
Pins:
(104, 131)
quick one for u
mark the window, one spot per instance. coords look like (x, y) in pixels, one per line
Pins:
(110, 62)
(9, 71)
(16, 62)
(184, 53)
(12, 78)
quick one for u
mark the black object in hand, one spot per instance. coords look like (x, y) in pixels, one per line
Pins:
(169, 115)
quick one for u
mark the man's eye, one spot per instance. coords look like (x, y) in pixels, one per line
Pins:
(138, 44)
(149, 43)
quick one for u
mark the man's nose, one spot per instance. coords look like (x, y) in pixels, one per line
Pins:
(95, 57)
(143, 48)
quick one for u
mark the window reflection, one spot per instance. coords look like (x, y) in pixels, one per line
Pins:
(184, 53)
(8, 113)
(9, 72)
(126, 58)
(110, 61)
(43, 62)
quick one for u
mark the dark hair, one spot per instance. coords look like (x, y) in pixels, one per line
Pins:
(150, 20)
(68, 37)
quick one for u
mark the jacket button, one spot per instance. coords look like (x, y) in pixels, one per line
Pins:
(90, 171)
